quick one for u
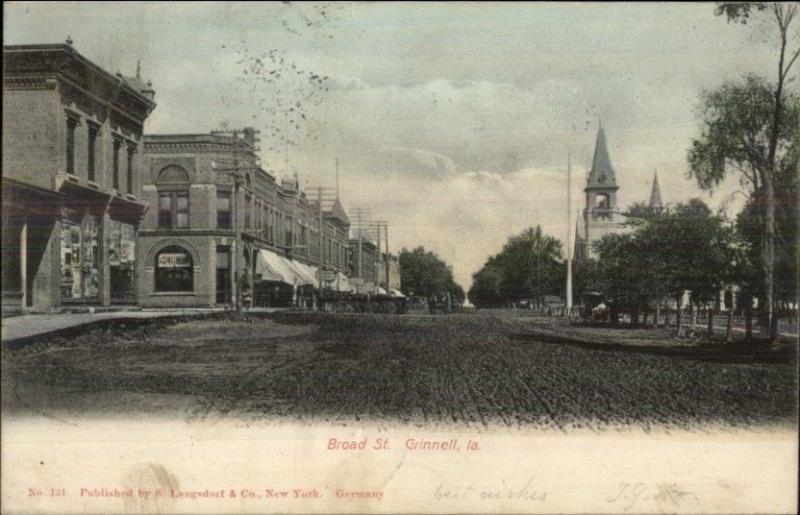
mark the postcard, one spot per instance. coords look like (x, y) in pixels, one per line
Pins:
(357, 257)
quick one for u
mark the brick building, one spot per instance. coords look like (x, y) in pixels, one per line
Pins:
(72, 137)
(223, 229)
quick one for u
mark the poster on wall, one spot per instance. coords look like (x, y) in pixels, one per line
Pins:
(114, 243)
(127, 244)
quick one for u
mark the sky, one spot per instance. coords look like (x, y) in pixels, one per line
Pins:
(453, 122)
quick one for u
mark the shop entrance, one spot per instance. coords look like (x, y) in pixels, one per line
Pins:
(122, 261)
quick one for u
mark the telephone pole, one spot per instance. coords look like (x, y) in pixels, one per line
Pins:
(361, 219)
(569, 235)
(322, 194)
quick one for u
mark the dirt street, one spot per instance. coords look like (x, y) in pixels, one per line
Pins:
(476, 369)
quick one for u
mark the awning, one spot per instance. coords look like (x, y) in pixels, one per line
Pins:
(304, 275)
(397, 293)
(273, 267)
(343, 283)
(308, 273)
(381, 291)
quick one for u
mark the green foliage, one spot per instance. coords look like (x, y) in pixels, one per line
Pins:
(750, 224)
(739, 12)
(424, 273)
(683, 248)
(485, 290)
(737, 123)
(529, 267)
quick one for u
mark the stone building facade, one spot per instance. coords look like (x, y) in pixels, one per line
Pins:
(222, 230)
(72, 141)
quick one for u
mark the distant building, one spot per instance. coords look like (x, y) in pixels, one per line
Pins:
(364, 265)
(389, 273)
(72, 141)
(221, 227)
(600, 214)
(655, 202)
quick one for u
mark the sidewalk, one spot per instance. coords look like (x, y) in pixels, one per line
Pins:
(28, 326)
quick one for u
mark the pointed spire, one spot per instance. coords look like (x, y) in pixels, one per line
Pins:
(139, 70)
(602, 174)
(655, 194)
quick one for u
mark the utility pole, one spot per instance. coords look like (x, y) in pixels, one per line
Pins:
(237, 251)
(321, 238)
(381, 224)
(361, 224)
(337, 178)
(377, 257)
(321, 234)
(569, 235)
(386, 234)
(286, 141)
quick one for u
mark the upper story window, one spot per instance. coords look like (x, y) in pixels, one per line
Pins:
(288, 237)
(173, 198)
(224, 218)
(247, 219)
(115, 164)
(130, 168)
(91, 152)
(72, 125)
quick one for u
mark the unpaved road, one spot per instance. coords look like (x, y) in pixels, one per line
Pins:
(474, 369)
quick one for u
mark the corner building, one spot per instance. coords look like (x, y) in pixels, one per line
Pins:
(72, 141)
(221, 229)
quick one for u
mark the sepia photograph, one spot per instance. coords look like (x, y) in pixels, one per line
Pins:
(400, 257)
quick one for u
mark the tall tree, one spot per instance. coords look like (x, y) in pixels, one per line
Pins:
(749, 127)
(423, 273)
(527, 268)
(531, 265)
(485, 289)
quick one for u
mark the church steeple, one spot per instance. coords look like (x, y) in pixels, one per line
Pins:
(602, 176)
(655, 194)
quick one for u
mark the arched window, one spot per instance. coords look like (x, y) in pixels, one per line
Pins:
(173, 198)
(601, 201)
(174, 270)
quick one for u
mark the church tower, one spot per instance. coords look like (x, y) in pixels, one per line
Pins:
(600, 215)
(655, 196)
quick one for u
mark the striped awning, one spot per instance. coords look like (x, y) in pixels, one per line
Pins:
(303, 273)
(273, 267)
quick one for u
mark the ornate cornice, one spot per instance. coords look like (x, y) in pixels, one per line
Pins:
(28, 83)
(63, 63)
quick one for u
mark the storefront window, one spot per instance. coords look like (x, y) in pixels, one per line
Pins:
(174, 270)
(80, 279)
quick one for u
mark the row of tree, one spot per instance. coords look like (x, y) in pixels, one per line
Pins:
(423, 273)
(665, 254)
(750, 129)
